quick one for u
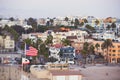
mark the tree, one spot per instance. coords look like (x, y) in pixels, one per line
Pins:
(65, 42)
(49, 40)
(18, 29)
(51, 21)
(105, 45)
(28, 41)
(76, 22)
(113, 25)
(91, 49)
(92, 55)
(84, 52)
(12, 32)
(11, 19)
(42, 28)
(0, 19)
(72, 22)
(44, 50)
(38, 44)
(85, 49)
(85, 20)
(82, 23)
(90, 28)
(97, 46)
(33, 23)
(108, 27)
(97, 22)
(66, 19)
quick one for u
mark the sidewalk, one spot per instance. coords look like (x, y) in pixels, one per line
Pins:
(99, 72)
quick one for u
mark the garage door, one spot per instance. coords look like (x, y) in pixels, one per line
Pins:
(73, 77)
(60, 77)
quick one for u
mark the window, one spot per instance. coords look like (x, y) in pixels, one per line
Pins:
(72, 34)
(60, 77)
(118, 50)
(11, 45)
(113, 46)
(110, 50)
(119, 46)
(77, 33)
(113, 50)
(113, 54)
(118, 54)
(73, 77)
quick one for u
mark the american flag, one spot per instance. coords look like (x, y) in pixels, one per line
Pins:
(31, 51)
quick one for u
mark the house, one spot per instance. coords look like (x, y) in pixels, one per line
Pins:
(6, 43)
(104, 35)
(113, 52)
(67, 55)
(72, 38)
(41, 21)
(55, 71)
(109, 35)
(54, 52)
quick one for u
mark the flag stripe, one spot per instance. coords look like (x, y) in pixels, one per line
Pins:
(31, 51)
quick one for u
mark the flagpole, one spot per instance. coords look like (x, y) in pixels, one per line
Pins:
(25, 50)
(24, 56)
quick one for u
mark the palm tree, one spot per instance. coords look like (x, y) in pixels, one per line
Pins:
(113, 26)
(92, 55)
(72, 22)
(105, 45)
(11, 19)
(85, 51)
(51, 21)
(66, 19)
(81, 24)
(33, 23)
(76, 22)
(65, 42)
(97, 22)
(89, 27)
(38, 44)
(91, 49)
(97, 46)
(85, 20)
(44, 50)
(49, 40)
(108, 27)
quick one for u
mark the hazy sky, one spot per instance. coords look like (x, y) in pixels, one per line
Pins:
(54, 8)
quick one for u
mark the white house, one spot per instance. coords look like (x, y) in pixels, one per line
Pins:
(54, 52)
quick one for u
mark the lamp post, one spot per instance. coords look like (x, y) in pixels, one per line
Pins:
(10, 66)
(10, 72)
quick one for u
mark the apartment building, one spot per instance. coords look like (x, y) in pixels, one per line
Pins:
(7, 43)
(113, 52)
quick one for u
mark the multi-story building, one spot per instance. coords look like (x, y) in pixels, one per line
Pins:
(41, 21)
(20, 22)
(7, 43)
(113, 52)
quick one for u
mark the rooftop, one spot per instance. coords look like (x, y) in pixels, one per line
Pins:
(65, 72)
